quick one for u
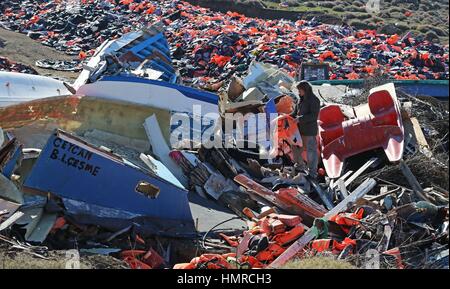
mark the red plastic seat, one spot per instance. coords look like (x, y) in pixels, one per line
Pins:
(380, 127)
(330, 123)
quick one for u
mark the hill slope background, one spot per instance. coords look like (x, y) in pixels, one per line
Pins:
(427, 18)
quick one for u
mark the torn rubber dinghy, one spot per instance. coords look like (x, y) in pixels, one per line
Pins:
(102, 186)
(377, 124)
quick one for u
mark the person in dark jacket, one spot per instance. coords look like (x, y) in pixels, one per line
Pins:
(306, 111)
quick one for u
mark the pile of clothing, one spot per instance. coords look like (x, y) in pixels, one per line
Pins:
(9, 65)
(61, 65)
(211, 46)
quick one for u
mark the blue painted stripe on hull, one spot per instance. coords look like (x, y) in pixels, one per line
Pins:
(188, 91)
(434, 88)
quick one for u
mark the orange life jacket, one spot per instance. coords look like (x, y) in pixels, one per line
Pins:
(347, 220)
(212, 261)
(321, 245)
(341, 246)
(252, 261)
(287, 237)
(270, 253)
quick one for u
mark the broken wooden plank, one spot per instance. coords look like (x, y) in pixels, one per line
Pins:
(383, 245)
(9, 191)
(383, 194)
(7, 208)
(298, 245)
(266, 213)
(418, 139)
(413, 182)
(11, 220)
(360, 171)
(26, 248)
(322, 194)
(393, 184)
(413, 127)
(344, 177)
(342, 188)
(283, 199)
(243, 244)
(358, 193)
(443, 191)
(365, 202)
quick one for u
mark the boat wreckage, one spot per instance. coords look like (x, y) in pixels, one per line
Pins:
(94, 163)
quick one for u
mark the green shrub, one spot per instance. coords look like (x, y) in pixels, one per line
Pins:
(327, 4)
(349, 16)
(403, 27)
(293, 3)
(357, 8)
(425, 7)
(394, 9)
(440, 32)
(254, 3)
(376, 18)
(338, 8)
(431, 36)
(424, 28)
(358, 24)
(370, 24)
(362, 16)
(359, 3)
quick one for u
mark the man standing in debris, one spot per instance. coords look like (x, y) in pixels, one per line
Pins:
(306, 112)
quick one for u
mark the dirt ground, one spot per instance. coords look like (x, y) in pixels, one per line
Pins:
(20, 48)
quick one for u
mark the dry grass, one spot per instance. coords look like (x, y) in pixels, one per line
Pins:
(318, 262)
(10, 259)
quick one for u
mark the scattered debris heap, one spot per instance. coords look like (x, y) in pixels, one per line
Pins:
(9, 65)
(97, 192)
(209, 47)
(93, 169)
(373, 197)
